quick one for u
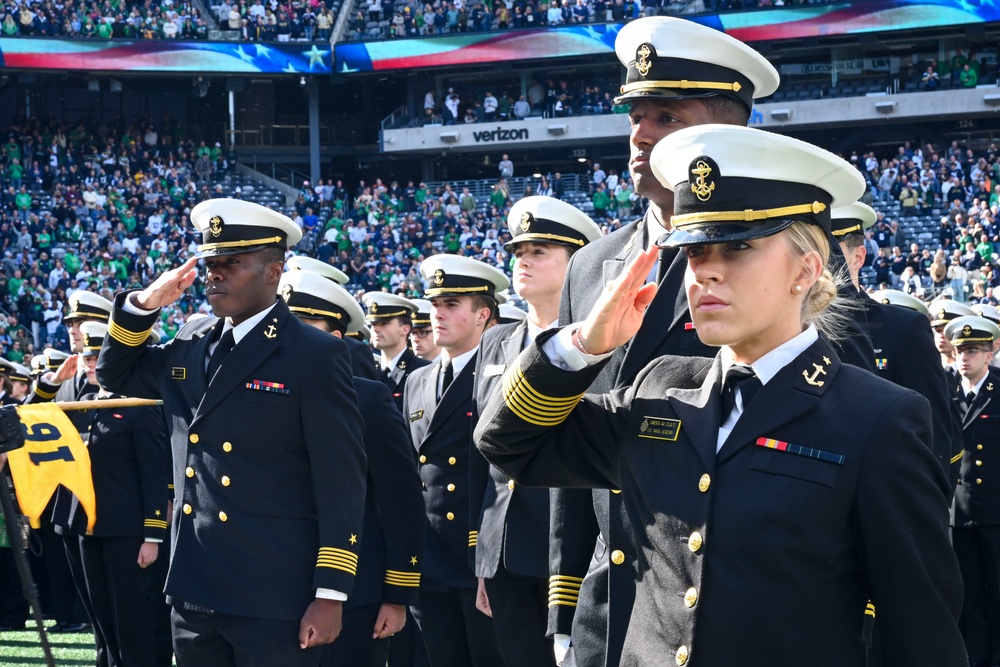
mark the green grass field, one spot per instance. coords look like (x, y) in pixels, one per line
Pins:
(19, 649)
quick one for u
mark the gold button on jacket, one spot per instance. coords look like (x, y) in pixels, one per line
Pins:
(617, 557)
(695, 541)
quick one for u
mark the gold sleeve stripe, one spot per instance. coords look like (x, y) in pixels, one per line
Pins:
(562, 603)
(517, 379)
(349, 570)
(564, 587)
(407, 579)
(533, 407)
(126, 337)
(473, 540)
(44, 394)
(559, 596)
(564, 593)
(154, 523)
(870, 610)
(329, 561)
(343, 553)
(565, 578)
(958, 457)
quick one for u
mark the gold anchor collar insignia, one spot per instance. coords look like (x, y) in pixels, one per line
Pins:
(814, 378)
(271, 331)
(989, 386)
(215, 226)
(701, 176)
(644, 57)
(526, 220)
(439, 277)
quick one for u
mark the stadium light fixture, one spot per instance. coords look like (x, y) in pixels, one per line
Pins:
(781, 115)
(885, 107)
(558, 129)
(991, 100)
(449, 137)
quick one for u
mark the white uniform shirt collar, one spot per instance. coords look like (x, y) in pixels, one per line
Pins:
(765, 368)
(246, 326)
(389, 365)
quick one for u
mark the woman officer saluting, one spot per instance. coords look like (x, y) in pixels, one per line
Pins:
(768, 514)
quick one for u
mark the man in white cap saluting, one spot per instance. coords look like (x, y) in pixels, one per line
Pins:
(679, 74)
(390, 318)
(362, 360)
(976, 523)
(84, 306)
(391, 551)
(268, 501)
(438, 406)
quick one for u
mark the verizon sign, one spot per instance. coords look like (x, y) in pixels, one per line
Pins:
(501, 134)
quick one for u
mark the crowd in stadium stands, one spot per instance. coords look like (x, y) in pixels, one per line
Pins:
(963, 254)
(962, 70)
(553, 99)
(314, 20)
(377, 19)
(104, 19)
(104, 208)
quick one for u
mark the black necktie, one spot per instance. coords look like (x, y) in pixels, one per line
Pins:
(970, 397)
(742, 378)
(448, 373)
(221, 352)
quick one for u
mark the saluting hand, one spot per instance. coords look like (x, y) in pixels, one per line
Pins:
(618, 313)
(67, 370)
(168, 286)
(391, 619)
(321, 623)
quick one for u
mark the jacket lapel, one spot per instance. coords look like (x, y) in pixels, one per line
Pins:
(613, 267)
(456, 395)
(698, 410)
(513, 344)
(797, 388)
(983, 398)
(252, 351)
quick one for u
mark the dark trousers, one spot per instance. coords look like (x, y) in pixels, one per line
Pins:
(355, 646)
(117, 587)
(520, 618)
(223, 640)
(456, 634)
(13, 606)
(64, 602)
(74, 558)
(978, 551)
(156, 578)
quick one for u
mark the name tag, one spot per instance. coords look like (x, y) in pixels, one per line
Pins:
(493, 370)
(660, 428)
(418, 414)
(178, 373)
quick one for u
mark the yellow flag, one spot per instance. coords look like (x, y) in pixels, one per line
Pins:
(53, 454)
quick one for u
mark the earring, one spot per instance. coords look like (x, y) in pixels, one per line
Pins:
(797, 289)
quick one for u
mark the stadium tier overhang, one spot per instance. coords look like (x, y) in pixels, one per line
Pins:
(881, 108)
